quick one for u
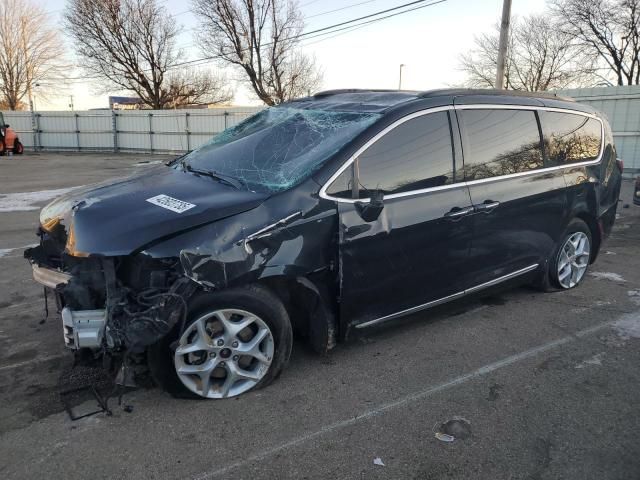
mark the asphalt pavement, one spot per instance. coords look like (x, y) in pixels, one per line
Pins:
(518, 385)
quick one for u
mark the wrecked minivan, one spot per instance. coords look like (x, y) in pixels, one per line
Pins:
(342, 210)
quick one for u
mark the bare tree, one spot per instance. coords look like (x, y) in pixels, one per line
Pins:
(608, 29)
(196, 87)
(261, 38)
(131, 45)
(539, 57)
(31, 52)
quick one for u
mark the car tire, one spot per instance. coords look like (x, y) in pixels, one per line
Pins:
(570, 260)
(164, 357)
(3, 148)
(18, 147)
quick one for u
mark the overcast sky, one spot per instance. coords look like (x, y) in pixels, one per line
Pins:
(428, 41)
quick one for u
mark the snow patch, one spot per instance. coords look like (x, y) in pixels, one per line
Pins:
(628, 326)
(614, 277)
(634, 296)
(5, 252)
(20, 202)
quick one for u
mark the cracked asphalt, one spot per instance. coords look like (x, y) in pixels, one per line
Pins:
(548, 383)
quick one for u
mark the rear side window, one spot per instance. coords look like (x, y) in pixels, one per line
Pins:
(416, 154)
(500, 142)
(571, 138)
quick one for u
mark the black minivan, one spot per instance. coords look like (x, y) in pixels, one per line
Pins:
(342, 210)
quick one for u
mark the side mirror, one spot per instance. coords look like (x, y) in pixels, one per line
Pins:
(370, 211)
(6, 126)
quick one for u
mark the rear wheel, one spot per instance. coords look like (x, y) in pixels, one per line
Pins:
(571, 259)
(3, 147)
(234, 341)
(18, 148)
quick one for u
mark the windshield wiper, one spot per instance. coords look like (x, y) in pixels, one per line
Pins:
(233, 182)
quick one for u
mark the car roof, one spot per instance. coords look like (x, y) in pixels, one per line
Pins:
(383, 101)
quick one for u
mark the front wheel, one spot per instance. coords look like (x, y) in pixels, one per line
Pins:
(18, 147)
(234, 341)
(571, 259)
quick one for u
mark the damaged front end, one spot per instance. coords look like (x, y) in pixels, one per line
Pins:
(109, 305)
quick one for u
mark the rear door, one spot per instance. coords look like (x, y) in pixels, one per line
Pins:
(519, 202)
(415, 249)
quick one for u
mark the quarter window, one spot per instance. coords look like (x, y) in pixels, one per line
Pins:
(571, 138)
(415, 155)
(500, 142)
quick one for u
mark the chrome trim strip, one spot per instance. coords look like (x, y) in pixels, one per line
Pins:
(501, 279)
(449, 298)
(408, 311)
(326, 196)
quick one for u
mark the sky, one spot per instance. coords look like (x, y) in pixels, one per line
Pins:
(428, 42)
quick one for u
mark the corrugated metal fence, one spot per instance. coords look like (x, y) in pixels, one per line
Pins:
(181, 130)
(621, 105)
(123, 130)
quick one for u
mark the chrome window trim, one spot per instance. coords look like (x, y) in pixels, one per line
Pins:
(449, 298)
(375, 138)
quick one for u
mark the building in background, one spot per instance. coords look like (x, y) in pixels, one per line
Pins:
(125, 103)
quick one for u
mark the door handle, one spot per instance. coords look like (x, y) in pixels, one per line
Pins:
(487, 206)
(457, 212)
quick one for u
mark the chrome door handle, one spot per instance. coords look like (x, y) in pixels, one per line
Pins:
(457, 212)
(487, 206)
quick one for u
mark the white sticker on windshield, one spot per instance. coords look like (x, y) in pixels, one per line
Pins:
(170, 203)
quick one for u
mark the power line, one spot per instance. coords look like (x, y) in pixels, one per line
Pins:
(328, 30)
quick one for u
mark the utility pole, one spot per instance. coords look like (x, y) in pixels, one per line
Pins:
(504, 42)
(400, 81)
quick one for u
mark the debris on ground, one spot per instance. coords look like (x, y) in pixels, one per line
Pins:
(595, 360)
(457, 427)
(614, 277)
(378, 461)
(494, 392)
(443, 437)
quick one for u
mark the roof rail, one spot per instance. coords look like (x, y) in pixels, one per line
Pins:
(327, 93)
(491, 91)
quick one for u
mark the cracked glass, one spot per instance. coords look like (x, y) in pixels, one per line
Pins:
(278, 147)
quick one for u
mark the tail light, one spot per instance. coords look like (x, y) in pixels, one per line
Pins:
(620, 163)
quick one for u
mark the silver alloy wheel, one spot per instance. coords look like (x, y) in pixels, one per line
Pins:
(224, 353)
(573, 260)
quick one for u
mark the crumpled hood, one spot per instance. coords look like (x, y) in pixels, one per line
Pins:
(117, 218)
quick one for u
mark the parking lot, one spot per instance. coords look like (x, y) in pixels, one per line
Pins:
(541, 385)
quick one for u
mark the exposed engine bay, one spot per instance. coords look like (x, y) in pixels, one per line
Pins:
(111, 305)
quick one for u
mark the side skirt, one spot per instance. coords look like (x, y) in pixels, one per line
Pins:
(449, 298)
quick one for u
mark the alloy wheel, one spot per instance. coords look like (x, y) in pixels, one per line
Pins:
(224, 353)
(573, 260)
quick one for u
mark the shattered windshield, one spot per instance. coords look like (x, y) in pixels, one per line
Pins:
(278, 147)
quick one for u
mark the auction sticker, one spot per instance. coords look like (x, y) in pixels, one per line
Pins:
(170, 203)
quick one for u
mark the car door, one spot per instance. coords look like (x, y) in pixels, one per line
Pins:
(519, 201)
(404, 220)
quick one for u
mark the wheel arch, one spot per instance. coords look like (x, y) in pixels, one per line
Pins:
(311, 311)
(596, 232)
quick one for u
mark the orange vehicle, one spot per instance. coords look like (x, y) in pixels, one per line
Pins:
(9, 141)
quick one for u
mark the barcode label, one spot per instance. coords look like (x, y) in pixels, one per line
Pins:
(170, 203)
